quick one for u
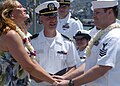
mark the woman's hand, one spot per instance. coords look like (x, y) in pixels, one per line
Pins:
(58, 77)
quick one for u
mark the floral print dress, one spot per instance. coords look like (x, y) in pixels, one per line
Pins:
(11, 73)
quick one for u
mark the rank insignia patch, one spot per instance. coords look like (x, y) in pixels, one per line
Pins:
(103, 51)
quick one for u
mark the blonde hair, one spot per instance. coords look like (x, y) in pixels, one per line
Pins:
(6, 23)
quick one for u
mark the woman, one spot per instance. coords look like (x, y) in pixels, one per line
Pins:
(82, 38)
(17, 56)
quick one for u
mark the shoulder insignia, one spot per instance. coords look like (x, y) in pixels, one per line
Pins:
(34, 36)
(66, 37)
(74, 18)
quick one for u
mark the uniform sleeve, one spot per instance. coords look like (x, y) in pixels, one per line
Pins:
(77, 25)
(107, 52)
(72, 56)
(80, 25)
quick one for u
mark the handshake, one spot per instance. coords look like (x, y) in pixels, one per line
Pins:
(62, 81)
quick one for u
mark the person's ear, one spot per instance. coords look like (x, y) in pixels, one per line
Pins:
(110, 11)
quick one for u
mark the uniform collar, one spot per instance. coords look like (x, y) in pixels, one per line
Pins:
(66, 19)
(58, 38)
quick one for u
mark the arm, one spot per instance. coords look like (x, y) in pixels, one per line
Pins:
(15, 47)
(91, 75)
(70, 69)
(36, 79)
(72, 74)
(75, 73)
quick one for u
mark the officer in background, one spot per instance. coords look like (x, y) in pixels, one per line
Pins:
(55, 53)
(67, 24)
(82, 38)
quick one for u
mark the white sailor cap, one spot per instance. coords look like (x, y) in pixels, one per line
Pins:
(104, 4)
(65, 2)
(48, 8)
(82, 34)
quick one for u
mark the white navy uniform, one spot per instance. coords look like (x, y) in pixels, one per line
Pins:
(82, 57)
(56, 55)
(68, 26)
(106, 53)
(78, 36)
(93, 31)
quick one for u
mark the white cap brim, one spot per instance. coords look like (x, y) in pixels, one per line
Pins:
(44, 5)
(103, 4)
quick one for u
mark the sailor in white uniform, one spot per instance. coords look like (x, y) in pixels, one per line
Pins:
(105, 55)
(67, 24)
(103, 60)
(55, 52)
(82, 38)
